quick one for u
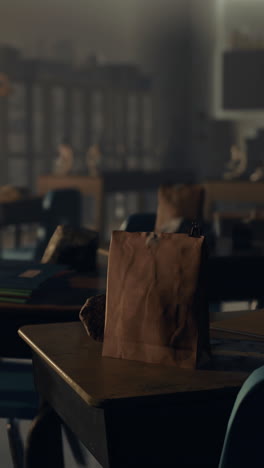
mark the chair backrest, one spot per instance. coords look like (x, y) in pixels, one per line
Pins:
(58, 207)
(63, 206)
(243, 444)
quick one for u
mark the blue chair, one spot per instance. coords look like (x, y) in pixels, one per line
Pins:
(243, 444)
(18, 400)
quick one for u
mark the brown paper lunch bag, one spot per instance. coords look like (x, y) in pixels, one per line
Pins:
(178, 202)
(156, 307)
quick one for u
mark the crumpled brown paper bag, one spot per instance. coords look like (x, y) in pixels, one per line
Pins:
(156, 307)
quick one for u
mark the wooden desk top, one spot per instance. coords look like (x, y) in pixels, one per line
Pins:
(237, 191)
(112, 181)
(250, 325)
(98, 380)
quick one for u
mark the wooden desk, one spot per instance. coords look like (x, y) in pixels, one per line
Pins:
(110, 182)
(248, 324)
(127, 413)
(232, 192)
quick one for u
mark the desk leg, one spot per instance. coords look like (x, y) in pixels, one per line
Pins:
(44, 442)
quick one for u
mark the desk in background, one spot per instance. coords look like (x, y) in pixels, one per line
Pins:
(233, 192)
(56, 300)
(248, 324)
(240, 195)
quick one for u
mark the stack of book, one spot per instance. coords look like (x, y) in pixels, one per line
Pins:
(19, 280)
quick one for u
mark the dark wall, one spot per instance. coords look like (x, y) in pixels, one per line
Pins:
(151, 33)
(176, 41)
